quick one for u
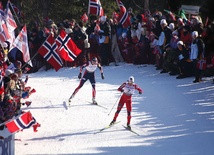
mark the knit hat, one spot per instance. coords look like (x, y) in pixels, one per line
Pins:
(131, 79)
(195, 33)
(180, 43)
(103, 18)
(163, 21)
(8, 72)
(171, 26)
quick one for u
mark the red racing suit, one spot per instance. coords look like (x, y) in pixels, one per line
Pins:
(126, 98)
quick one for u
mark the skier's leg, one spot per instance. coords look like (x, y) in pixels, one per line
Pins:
(129, 109)
(78, 88)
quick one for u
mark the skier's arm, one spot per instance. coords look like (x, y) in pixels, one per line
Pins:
(101, 70)
(82, 67)
(138, 89)
(121, 87)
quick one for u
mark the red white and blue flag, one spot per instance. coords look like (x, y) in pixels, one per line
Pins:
(49, 52)
(4, 34)
(21, 42)
(10, 22)
(123, 16)
(24, 121)
(95, 8)
(67, 49)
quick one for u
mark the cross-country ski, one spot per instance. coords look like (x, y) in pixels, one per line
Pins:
(107, 127)
(131, 130)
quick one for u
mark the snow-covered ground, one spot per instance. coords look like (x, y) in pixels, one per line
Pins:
(173, 116)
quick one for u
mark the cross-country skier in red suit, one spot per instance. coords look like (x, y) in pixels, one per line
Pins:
(90, 68)
(127, 88)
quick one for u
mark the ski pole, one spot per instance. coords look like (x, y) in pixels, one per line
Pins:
(115, 104)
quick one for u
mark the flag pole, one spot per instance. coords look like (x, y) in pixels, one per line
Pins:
(88, 7)
(30, 59)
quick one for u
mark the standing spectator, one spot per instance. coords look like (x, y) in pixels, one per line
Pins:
(114, 43)
(197, 25)
(79, 37)
(127, 88)
(92, 38)
(164, 40)
(185, 35)
(172, 54)
(197, 53)
(104, 41)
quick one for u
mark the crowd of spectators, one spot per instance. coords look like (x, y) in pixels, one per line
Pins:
(14, 91)
(177, 46)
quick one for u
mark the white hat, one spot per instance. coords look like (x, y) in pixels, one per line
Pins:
(171, 26)
(103, 18)
(180, 20)
(131, 79)
(124, 35)
(163, 21)
(175, 32)
(195, 33)
(180, 43)
(4, 44)
(68, 30)
(8, 72)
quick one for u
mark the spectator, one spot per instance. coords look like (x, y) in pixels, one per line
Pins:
(104, 41)
(92, 38)
(197, 53)
(163, 40)
(114, 43)
(184, 63)
(79, 37)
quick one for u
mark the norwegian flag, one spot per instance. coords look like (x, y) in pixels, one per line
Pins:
(24, 121)
(67, 49)
(84, 18)
(49, 52)
(95, 8)
(21, 42)
(10, 22)
(123, 16)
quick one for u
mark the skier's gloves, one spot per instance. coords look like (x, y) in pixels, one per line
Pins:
(121, 90)
(140, 92)
(102, 75)
(80, 75)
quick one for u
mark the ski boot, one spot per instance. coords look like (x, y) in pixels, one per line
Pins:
(69, 100)
(112, 123)
(94, 101)
(129, 127)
